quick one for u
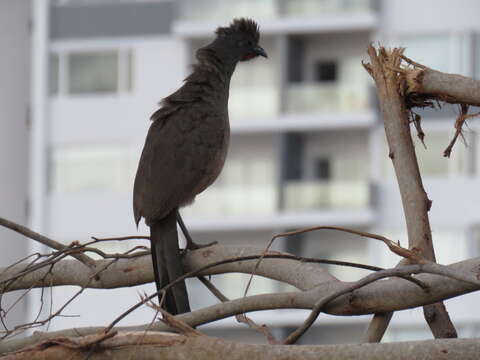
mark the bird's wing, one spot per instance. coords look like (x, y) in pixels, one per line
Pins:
(175, 161)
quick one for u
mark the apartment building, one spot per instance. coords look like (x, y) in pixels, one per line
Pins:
(307, 145)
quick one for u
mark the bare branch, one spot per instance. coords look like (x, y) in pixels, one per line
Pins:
(347, 288)
(158, 345)
(241, 318)
(377, 327)
(451, 88)
(45, 241)
(392, 87)
(134, 237)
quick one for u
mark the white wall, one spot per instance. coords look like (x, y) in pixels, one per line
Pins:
(411, 16)
(14, 136)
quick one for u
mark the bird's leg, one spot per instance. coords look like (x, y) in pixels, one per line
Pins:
(191, 245)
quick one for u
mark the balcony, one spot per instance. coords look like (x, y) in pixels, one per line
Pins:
(316, 7)
(335, 97)
(253, 102)
(194, 10)
(230, 201)
(314, 195)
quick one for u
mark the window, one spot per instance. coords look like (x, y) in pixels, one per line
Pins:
(322, 169)
(245, 187)
(431, 161)
(252, 90)
(326, 71)
(53, 73)
(92, 168)
(91, 72)
(430, 50)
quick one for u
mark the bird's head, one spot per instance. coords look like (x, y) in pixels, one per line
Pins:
(240, 40)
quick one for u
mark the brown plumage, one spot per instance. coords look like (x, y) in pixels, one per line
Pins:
(185, 149)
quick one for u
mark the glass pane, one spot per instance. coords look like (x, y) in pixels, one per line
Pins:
(253, 92)
(431, 160)
(53, 74)
(310, 195)
(245, 187)
(348, 93)
(319, 7)
(92, 168)
(225, 10)
(432, 51)
(93, 72)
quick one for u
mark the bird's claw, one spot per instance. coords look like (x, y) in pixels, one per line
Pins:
(194, 246)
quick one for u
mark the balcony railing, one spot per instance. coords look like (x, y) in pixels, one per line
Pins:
(315, 97)
(317, 7)
(253, 102)
(195, 10)
(310, 195)
(227, 201)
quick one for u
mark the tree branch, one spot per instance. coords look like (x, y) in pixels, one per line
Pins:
(385, 68)
(46, 241)
(377, 327)
(157, 345)
(451, 88)
(388, 295)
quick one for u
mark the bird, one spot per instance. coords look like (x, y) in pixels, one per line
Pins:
(185, 150)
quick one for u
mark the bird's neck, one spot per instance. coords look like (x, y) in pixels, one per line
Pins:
(211, 58)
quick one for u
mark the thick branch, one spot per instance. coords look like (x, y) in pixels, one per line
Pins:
(416, 204)
(150, 345)
(388, 295)
(138, 270)
(452, 88)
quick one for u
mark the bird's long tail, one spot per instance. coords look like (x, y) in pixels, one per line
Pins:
(167, 263)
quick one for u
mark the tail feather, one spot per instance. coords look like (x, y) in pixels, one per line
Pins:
(167, 263)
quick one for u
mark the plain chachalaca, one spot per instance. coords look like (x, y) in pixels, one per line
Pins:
(185, 150)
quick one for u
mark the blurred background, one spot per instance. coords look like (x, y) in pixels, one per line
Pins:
(80, 78)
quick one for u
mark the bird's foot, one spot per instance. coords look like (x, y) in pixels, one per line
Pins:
(194, 246)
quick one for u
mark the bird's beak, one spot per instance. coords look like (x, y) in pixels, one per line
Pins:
(259, 51)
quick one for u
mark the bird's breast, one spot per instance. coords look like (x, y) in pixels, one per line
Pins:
(214, 139)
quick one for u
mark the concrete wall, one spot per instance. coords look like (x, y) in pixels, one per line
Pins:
(410, 16)
(14, 135)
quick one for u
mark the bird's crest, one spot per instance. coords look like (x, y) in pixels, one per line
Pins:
(242, 25)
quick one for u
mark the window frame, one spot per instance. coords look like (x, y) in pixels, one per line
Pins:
(125, 82)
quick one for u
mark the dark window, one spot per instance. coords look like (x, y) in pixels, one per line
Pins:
(322, 169)
(326, 71)
(53, 73)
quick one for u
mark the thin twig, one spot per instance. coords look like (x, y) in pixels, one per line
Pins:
(45, 240)
(134, 237)
(430, 267)
(413, 63)
(394, 247)
(462, 117)
(171, 321)
(198, 271)
(241, 318)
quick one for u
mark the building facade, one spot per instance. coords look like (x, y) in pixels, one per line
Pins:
(307, 143)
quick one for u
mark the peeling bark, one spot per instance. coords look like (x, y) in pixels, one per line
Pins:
(163, 346)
